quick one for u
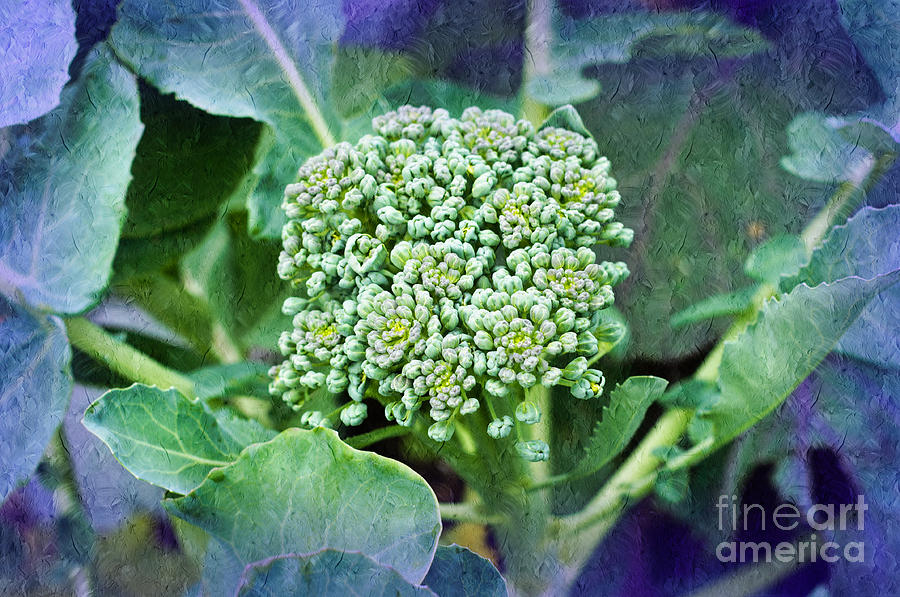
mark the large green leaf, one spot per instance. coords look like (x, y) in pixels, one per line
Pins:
(235, 275)
(327, 573)
(457, 572)
(38, 44)
(576, 44)
(868, 245)
(35, 384)
(62, 190)
(270, 61)
(628, 404)
(164, 438)
(305, 491)
(763, 365)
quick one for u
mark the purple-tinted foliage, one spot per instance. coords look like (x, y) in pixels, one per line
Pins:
(648, 554)
(28, 506)
(492, 69)
(651, 554)
(386, 24)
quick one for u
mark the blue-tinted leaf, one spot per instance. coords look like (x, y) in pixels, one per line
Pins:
(457, 572)
(867, 245)
(305, 491)
(872, 24)
(271, 61)
(763, 365)
(578, 44)
(327, 573)
(38, 42)
(35, 384)
(835, 441)
(62, 190)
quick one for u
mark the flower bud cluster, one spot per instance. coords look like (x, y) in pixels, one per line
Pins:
(443, 262)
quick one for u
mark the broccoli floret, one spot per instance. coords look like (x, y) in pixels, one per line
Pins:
(444, 262)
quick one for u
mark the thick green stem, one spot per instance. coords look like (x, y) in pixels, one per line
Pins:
(373, 437)
(124, 359)
(468, 512)
(632, 478)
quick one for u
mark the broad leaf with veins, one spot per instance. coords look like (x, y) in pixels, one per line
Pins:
(307, 490)
(35, 384)
(62, 191)
(271, 61)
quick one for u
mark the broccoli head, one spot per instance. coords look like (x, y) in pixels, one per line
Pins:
(444, 264)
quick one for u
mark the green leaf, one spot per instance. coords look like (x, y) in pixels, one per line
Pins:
(229, 379)
(305, 491)
(162, 437)
(672, 487)
(62, 190)
(38, 45)
(832, 149)
(782, 255)
(762, 366)
(242, 431)
(614, 38)
(188, 164)
(35, 384)
(566, 117)
(867, 245)
(457, 572)
(270, 61)
(628, 404)
(235, 275)
(327, 573)
(718, 305)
